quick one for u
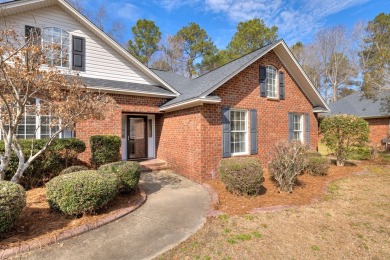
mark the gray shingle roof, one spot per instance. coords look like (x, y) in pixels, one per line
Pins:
(356, 104)
(105, 84)
(194, 88)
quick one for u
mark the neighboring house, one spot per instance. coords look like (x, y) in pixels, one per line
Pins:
(240, 109)
(369, 109)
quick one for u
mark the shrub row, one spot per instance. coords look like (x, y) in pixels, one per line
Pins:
(77, 192)
(12, 202)
(62, 153)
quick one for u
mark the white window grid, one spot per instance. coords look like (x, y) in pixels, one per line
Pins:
(239, 131)
(55, 36)
(298, 127)
(272, 78)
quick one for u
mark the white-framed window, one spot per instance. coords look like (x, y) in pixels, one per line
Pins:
(298, 127)
(58, 55)
(38, 127)
(272, 82)
(239, 131)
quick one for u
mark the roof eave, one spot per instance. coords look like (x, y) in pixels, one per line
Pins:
(190, 103)
(132, 92)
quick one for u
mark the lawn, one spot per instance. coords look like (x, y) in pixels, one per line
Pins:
(351, 221)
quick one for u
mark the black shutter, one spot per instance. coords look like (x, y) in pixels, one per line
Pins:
(281, 86)
(263, 79)
(254, 143)
(290, 126)
(33, 34)
(226, 134)
(78, 57)
(307, 123)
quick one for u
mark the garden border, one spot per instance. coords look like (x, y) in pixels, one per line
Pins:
(66, 234)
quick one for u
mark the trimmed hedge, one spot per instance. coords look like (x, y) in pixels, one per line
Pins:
(128, 173)
(59, 155)
(105, 149)
(242, 176)
(317, 166)
(81, 192)
(12, 202)
(75, 168)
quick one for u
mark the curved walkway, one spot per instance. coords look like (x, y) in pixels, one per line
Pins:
(175, 209)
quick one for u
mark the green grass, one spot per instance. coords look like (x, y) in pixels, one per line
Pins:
(315, 248)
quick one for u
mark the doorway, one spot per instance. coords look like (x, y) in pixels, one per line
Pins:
(137, 138)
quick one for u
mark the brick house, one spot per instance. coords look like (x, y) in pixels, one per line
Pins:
(370, 109)
(240, 109)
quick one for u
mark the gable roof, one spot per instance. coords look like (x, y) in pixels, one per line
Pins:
(358, 105)
(19, 6)
(200, 88)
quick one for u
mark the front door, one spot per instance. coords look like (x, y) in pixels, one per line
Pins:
(137, 137)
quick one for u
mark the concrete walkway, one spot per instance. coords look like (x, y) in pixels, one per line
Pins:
(175, 209)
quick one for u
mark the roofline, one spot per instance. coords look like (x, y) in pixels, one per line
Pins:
(132, 92)
(190, 103)
(65, 5)
(305, 75)
(231, 75)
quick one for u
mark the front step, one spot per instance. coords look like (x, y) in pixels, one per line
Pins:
(153, 165)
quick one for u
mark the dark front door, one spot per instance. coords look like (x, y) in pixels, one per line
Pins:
(137, 145)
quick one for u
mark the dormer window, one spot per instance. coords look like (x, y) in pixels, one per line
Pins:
(56, 43)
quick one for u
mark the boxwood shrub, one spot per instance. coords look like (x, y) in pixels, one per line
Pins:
(81, 192)
(105, 149)
(128, 173)
(59, 155)
(12, 202)
(242, 176)
(74, 168)
(317, 166)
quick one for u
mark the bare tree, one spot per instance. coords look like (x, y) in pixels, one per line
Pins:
(26, 75)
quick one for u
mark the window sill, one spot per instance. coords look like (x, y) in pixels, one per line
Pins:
(240, 154)
(273, 99)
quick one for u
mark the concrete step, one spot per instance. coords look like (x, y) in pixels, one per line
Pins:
(153, 165)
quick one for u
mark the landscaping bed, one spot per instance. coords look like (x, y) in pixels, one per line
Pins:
(308, 189)
(38, 221)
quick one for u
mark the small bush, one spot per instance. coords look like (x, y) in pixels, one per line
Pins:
(75, 168)
(311, 153)
(242, 176)
(12, 202)
(59, 155)
(105, 149)
(81, 192)
(128, 173)
(317, 166)
(288, 162)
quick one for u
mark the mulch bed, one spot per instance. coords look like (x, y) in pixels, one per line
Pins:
(38, 221)
(308, 189)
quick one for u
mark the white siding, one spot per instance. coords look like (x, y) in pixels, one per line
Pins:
(102, 61)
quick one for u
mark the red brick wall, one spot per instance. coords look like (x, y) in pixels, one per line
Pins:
(179, 141)
(243, 91)
(379, 129)
(112, 124)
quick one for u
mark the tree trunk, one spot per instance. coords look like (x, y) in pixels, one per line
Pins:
(19, 172)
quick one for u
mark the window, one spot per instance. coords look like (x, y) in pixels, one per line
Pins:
(298, 127)
(33, 126)
(271, 84)
(56, 43)
(239, 131)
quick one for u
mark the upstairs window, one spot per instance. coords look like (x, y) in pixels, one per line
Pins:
(271, 82)
(56, 43)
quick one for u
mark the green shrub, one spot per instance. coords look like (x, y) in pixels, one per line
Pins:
(60, 154)
(128, 173)
(81, 192)
(242, 176)
(311, 153)
(317, 166)
(288, 162)
(105, 149)
(343, 133)
(74, 168)
(12, 202)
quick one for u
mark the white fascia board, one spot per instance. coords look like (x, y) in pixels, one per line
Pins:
(191, 103)
(113, 44)
(131, 92)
